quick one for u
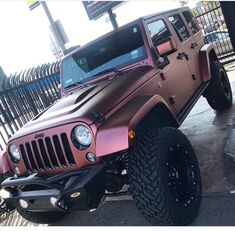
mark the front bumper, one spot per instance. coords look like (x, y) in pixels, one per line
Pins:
(81, 189)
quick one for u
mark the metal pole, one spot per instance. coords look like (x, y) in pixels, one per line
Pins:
(54, 28)
(112, 18)
(228, 9)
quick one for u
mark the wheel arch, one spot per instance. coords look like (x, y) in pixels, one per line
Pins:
(212, 56)
(159, 116)
(134, 115)
(207, 54)
(4, 164)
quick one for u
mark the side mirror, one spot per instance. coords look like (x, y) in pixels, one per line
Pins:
(166, 47)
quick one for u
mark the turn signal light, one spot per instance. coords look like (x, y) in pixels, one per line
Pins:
(131, 134)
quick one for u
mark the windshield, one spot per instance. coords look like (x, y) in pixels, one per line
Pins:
(111, 53)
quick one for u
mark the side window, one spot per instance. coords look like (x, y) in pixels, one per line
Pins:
(158, 32)
(191, 21)
(179, 27)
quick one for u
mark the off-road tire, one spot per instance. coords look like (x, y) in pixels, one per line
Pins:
(219, 92)
(149, 177)
(41, 217)
(1, 180)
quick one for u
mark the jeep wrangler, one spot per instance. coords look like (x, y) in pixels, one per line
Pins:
(124, 96)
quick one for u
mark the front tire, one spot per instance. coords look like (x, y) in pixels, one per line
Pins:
(165, 177)
(219, 92)
(1, 213)
(42, 217)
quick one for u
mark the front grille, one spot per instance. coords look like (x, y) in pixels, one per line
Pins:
(47, 154)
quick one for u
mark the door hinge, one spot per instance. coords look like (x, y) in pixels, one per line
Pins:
(193, 45)
(163, 76)
(173, 99)
(182, 55)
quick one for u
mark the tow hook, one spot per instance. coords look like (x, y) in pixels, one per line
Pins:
(58, 203)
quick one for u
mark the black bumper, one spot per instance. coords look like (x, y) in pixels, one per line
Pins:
(81, 189)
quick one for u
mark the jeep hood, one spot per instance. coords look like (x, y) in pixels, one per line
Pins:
(77, 106)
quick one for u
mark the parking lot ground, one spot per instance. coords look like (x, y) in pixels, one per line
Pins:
(208, 132)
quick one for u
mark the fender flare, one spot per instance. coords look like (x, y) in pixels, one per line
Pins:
(206, 53)
(112, 136)
(4, 164)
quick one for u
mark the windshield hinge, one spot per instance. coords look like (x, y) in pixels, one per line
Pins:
(100, 117)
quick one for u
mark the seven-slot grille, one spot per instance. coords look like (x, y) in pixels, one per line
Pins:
(47, 154)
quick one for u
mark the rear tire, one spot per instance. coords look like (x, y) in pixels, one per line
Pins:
(219, 92)
(42, 217)
(163, 167)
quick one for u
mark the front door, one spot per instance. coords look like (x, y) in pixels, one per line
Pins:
(194, 46)
(177, 75)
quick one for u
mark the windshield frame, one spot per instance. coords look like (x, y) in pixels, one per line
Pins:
(143, 62)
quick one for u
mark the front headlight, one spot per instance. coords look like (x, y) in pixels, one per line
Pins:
(83, 135)
(14, 153)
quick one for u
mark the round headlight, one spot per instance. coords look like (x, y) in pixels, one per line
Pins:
(83, 135)
(15, 153)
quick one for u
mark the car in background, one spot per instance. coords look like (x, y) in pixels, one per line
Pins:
(220, 40)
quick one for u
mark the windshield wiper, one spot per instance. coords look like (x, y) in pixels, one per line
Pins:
(107, 71)
(93, 76)
(74, 84)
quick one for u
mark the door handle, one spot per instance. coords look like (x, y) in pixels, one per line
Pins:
(193, 45)
(182, 55)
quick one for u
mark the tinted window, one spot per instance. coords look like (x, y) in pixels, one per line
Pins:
(191, 21)
(114, 51)
(158, 32)
(179, 27)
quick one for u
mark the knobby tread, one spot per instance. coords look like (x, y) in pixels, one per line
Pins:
(42, 217)
(214, 94)
(147, 178)
(1, 180)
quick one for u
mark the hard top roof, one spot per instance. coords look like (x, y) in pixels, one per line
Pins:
(164, 12)
(138, 20)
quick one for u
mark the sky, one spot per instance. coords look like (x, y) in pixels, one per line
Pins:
(24, 36)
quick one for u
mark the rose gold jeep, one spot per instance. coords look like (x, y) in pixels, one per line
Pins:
(124, 96)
